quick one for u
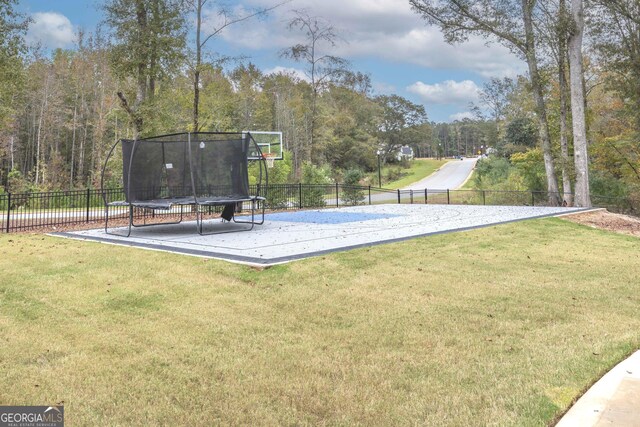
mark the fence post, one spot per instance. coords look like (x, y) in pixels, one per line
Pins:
(398, 196)
(448, 197)
(369, 195)
(8, 210)
(88, 202)
(337, 199)
(426, 196)
(300, 194)
(533, 201)
(484, 200)
(411, 196)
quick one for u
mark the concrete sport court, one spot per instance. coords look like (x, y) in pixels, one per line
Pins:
(288, 236)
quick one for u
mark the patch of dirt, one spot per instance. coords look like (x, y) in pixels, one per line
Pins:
(605, 220)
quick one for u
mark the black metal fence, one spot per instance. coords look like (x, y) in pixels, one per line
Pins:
(51, 210)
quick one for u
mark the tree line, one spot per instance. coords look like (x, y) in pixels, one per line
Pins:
(140, 74)
(548, 36)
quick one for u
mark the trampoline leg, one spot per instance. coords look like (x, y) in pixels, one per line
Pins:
(130, 219)
(199, 219)
(264, 207)
(253, 214)
(106, 222)
(253, 219)
(106, 219)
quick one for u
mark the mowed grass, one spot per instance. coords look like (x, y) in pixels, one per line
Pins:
(496, 326)
(470, 183)
(420, 168)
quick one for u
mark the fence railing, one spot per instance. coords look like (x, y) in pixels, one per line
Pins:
(50, 210)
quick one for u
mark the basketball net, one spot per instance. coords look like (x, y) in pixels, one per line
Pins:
(270, 158)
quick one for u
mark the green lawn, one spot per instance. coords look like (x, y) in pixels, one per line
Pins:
(420, 168)
(470, 184)
(502, 326)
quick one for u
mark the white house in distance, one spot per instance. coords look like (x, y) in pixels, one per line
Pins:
(405, 152)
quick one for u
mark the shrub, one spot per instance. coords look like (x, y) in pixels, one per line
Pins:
(318, 177)
(18, 184)
(530, 166)
(491, 171)
(405, 163)
(602, 185)
(353, 193)
(394, 174)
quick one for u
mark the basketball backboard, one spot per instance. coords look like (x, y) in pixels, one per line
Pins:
(270, 144)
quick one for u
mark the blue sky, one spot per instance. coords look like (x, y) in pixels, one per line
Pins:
(383, 38)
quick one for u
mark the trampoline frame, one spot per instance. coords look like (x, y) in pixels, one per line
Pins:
(193, 200)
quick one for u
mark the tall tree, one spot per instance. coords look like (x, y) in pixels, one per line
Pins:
(511, 23)
(494, 96)
(554, 25)
(561, 35)
(322, 68)
(226, 17)
(615, 25)
(289, 113)
(581, 155)
(149, 43)
(12, 29)
(400, 123)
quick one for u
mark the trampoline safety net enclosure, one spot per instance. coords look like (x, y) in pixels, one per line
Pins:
(188, 169)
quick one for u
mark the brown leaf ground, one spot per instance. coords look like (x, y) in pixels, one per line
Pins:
(605, 220)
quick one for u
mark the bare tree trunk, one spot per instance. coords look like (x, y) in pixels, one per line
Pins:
(98, 135)
(196, 71)
(141, 89)
(141, 86)
(562, 81)
(73, 140)
(564, 144)
(581, 155)
(541, 111)
(39, 132)
(11, 152)
(80, 172)
(82, 150)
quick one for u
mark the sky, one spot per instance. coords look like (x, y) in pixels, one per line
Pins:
(382, 38)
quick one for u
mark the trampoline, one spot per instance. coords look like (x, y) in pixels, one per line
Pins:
(199, 170)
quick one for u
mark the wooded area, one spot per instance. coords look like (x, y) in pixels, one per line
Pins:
(141, 74)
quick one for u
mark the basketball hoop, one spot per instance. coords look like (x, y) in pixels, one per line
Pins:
(270, 158)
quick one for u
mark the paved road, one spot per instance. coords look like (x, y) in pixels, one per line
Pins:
(450, 176)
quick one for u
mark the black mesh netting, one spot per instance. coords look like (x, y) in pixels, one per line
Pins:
(203, 168)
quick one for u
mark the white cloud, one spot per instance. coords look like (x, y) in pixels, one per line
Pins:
(461, 116)
(386, 29)
(290, 71)
(51, 29)
(447, 92)
(425, 47)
